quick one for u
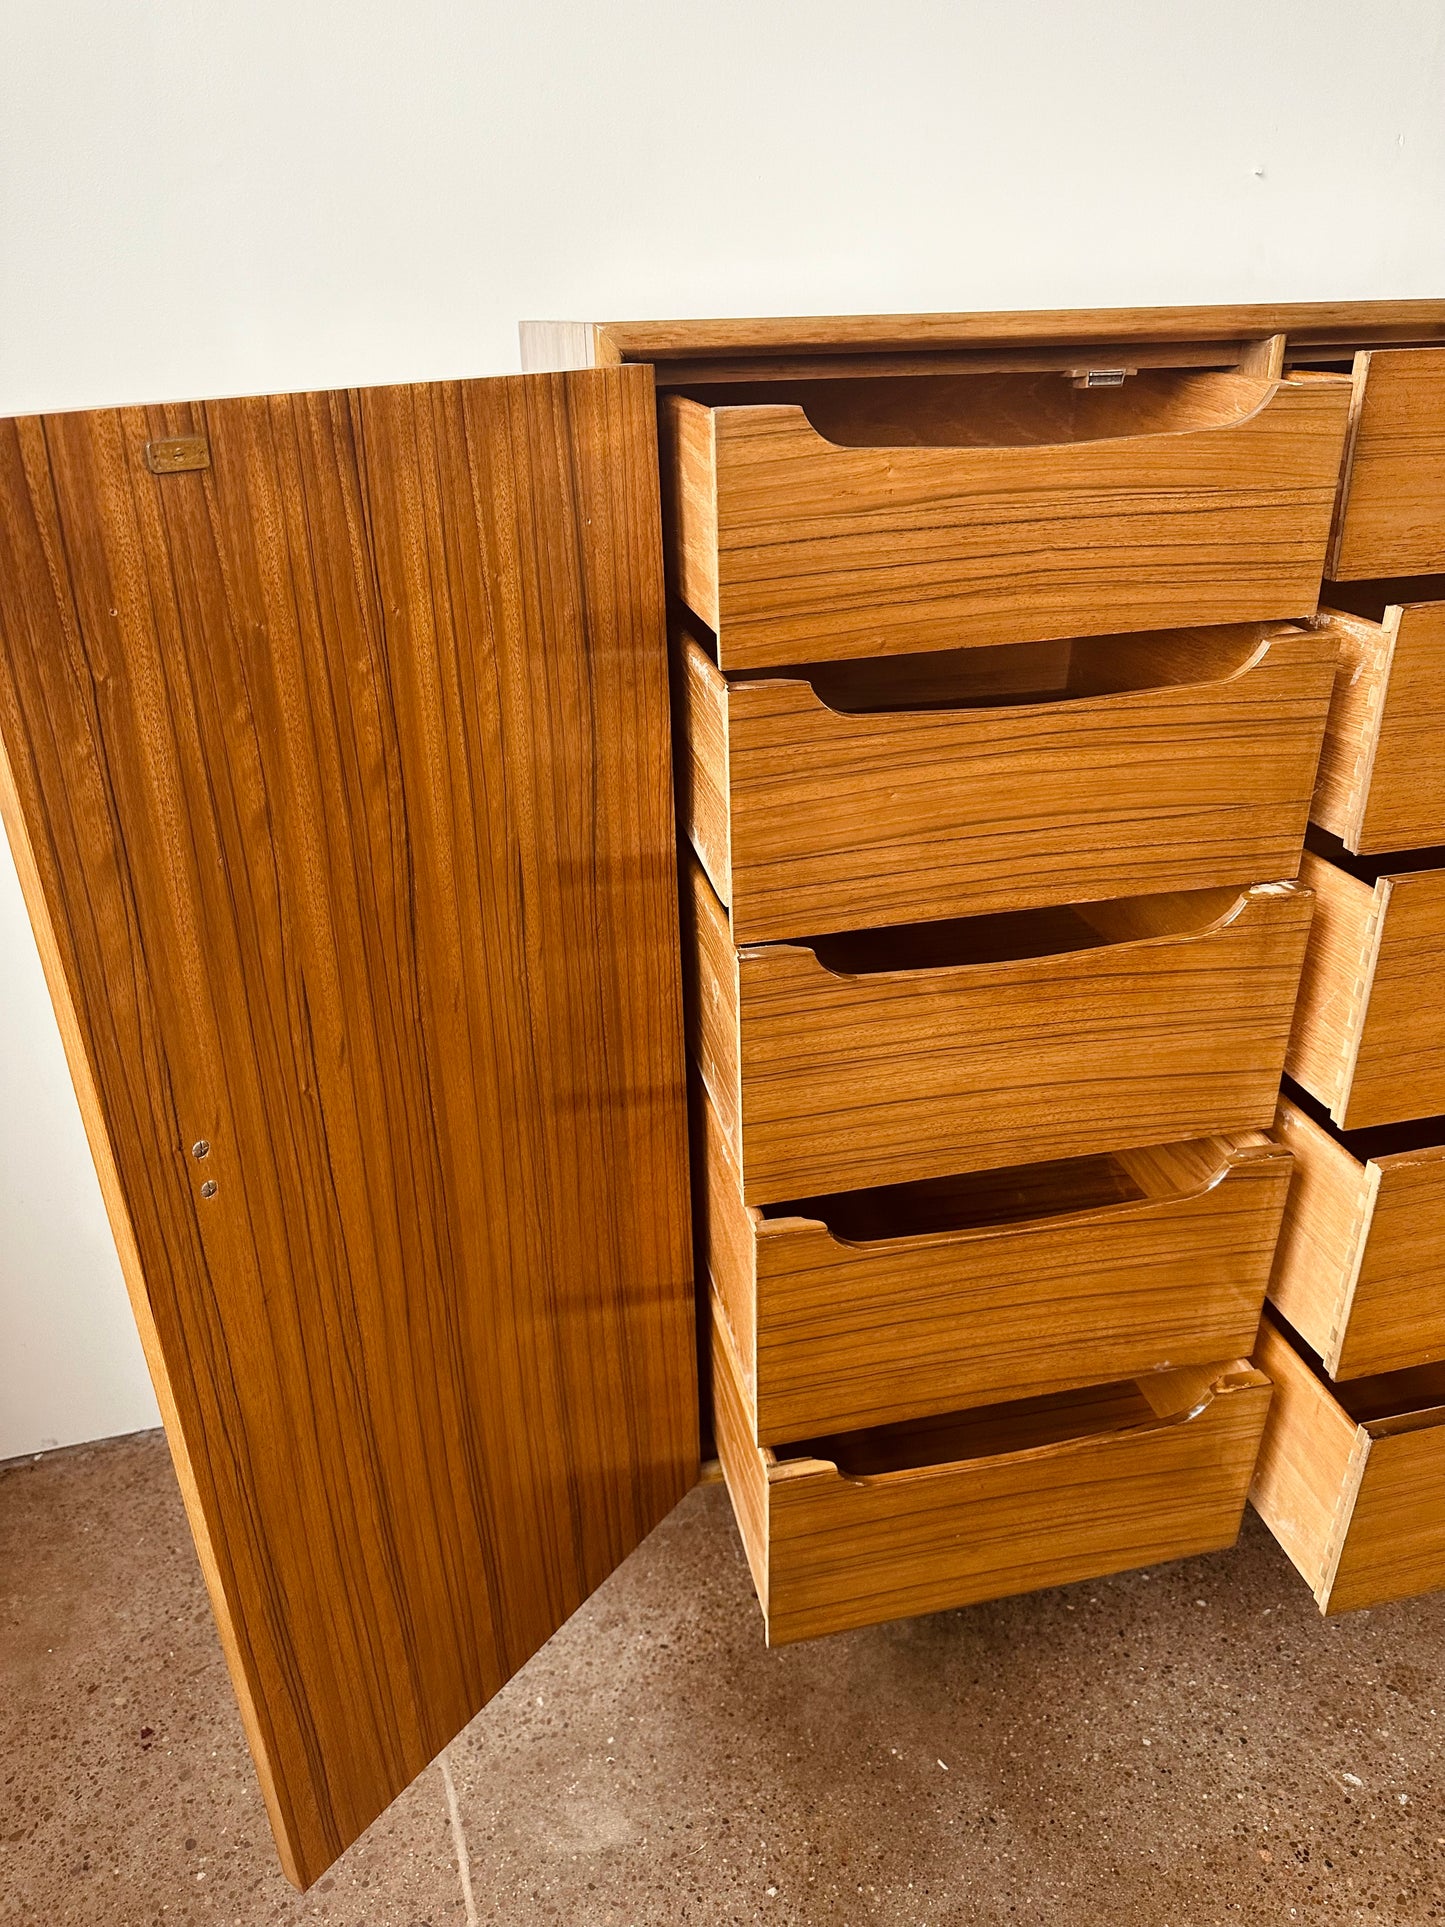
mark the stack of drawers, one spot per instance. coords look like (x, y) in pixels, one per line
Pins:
(999, 706)
(1351, 1477)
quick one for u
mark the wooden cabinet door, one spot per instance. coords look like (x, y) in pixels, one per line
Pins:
(336, 768)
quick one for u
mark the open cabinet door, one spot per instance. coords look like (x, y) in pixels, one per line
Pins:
(336, 769)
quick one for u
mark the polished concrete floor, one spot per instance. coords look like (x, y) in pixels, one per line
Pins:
(1186, 1746)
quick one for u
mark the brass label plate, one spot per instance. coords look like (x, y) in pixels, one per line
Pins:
(179, 453)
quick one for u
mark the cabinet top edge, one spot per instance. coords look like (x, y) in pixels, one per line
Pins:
(1307, 323)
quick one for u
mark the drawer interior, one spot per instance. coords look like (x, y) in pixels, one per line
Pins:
(1384, 1403)
(1014, 935)
(1019, 673)
(1016, 1194)
(1022, 1192)
(1372, 599)
(1374, 1141)
(1393, 1401)
(1379, 863)
(1025, 410)
(985, 1432)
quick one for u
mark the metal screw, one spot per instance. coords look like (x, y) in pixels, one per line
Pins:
(208, 1189)
(201, 1148)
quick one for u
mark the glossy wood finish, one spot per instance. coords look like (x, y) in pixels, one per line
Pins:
(579, 344)
(894, 1055)
(1369, 1030)
(1391, 515)
(858, 521)
(965, 782)
(1349, 1478)
(1360, 1270)
(875, 1306)
(948, 1512)
(1382, 777)
(338, 781)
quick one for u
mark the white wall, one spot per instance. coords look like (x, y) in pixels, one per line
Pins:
(199, 197)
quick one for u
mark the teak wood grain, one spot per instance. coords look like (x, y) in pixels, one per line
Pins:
(867, 523)
(974, 1506)
(966, 782)
(1369, 1029)
(1391, 514)
(1349, 1480)
(584, 344)
(875, 1306)
(1360, 1269)
(1382, 774)
(337, 775)
(1012, 1040)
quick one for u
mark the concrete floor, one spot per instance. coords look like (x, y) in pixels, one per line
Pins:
(1187, 1746)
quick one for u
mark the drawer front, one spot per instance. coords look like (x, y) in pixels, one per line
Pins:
(795, 548)
(1382, 777)
(810, 817)
(830, 1079)
(1360, 1269)
(831, 1549)
(1369, 1032)
(836, 1329)
(1391, 519)
(1355, 1503)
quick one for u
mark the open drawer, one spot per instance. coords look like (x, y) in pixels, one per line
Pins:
(874, 1306)
(881, 1056)
(1369, 1031)
(1351, 1478)
(973, 780)
(1391, 517)
(1382, 774)
(818, 519)
(1360, 1268)
(878, 1525)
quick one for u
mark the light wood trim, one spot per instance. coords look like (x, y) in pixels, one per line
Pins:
(840, 1550)
(1335, 984)
(793, 547)
(1189, 764)
(1365, 651)
(337, 774)
(1360, 1270)
(827, 1081)
(1322, 1240)
(549, 347)
(1382, 779)
(833, 1334)
(1311, 1459)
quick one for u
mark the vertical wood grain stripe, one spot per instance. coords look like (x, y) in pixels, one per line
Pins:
(341, 774)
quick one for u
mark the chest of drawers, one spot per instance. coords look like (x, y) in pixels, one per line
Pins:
(992, 656)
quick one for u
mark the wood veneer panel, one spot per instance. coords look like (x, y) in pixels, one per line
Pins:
(338, 778)
(1391, 514)
(860, 521)
(878, 1306)
(1175, 760)
(893, 1056)
(980, 1505)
